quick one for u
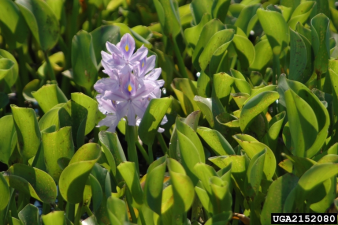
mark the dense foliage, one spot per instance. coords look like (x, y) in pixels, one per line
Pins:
(247, 124)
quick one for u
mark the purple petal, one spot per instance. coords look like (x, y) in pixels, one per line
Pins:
(122, 108)
(106, 57)
(127, 46)
(117, 96)
(150, 64)
(106, 84)
(110, 121)
(113, 49)
(164, 120)
(139, 54)
(144, 91)
(140, 107)
(160, 130)
(154, 75)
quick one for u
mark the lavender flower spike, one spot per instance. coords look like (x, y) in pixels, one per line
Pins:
(122, 54)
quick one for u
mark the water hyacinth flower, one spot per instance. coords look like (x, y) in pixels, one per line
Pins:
(131, 84)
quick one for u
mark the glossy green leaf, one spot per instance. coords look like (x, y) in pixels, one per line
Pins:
(207, 32)
(275, 126)
(191, 33)
(251, 147)
(84, 60)
(27, 130)
(5, 193)
(320, 43)
(13, 26)
(100, 36)
(263, 55)
(112, 143)
(247, 14)
(278, 36)
(254, 106)
(152, 118)
(220, 38)
(9, 69)
(154, 184)
(222, 85)
(210, 107)
(220, 195)
(58, 63)
(57, 145)
(220, 8)
(129, 174)
(245, 51)
(219, 219)
(41, 21)
(74, 177)
(117, 211)
(298, 57)
(32, 181)
(8, 138)
(29, 215)
(97, 193)
(277, 194)
(301, 13)
(216, 141)
(199, 8)
(303, 123)
(183, 189)
(49, 96)
(204, 172)
(55, 217)
(185, 90)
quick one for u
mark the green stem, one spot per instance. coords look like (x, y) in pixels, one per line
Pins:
(78, 214)
(276, 68)
(180, 61)
(49, 67)
(162, 143)
(150, 153)
(87, 210)
(131, 140)
(70, 211)
(131, 209)
(143, 151)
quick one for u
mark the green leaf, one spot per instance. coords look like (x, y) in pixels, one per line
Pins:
(222, 218)
(152, 118)
(41, 21)
(278, 36)
(10, 20)
(220, 195)
(9, 68)
(189, 155)
(154, 184)
(185, 90)
(129, 174)
(111, 142)
(275, 126)
(204, 172)
(27, 130)
(84, 60)
(100, 36)
(74, 177)
(29, 215)
(199, 8)
(81, 103)
(254, 106)
(32, 181)
(301, 14)
(49, 96)
(210, 107)
(117, 212)
(303, 123)
(298, 57)
(56, 146)
(263, 55)
(251, 147)
(255, 173)
(247, 15)
(55, 217)
(222, 86)
(216, 141)
(4, 189)
(58, 62)
(183, 189)
(8, 138)
(191, 33)
(219, 39)
(220, 8)
(320, 42)
(277, 194)
(207, 32)
(245, 51)
(97, 193)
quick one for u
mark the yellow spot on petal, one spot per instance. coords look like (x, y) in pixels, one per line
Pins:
(126, 48)
(142, 64)
(130, 88)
